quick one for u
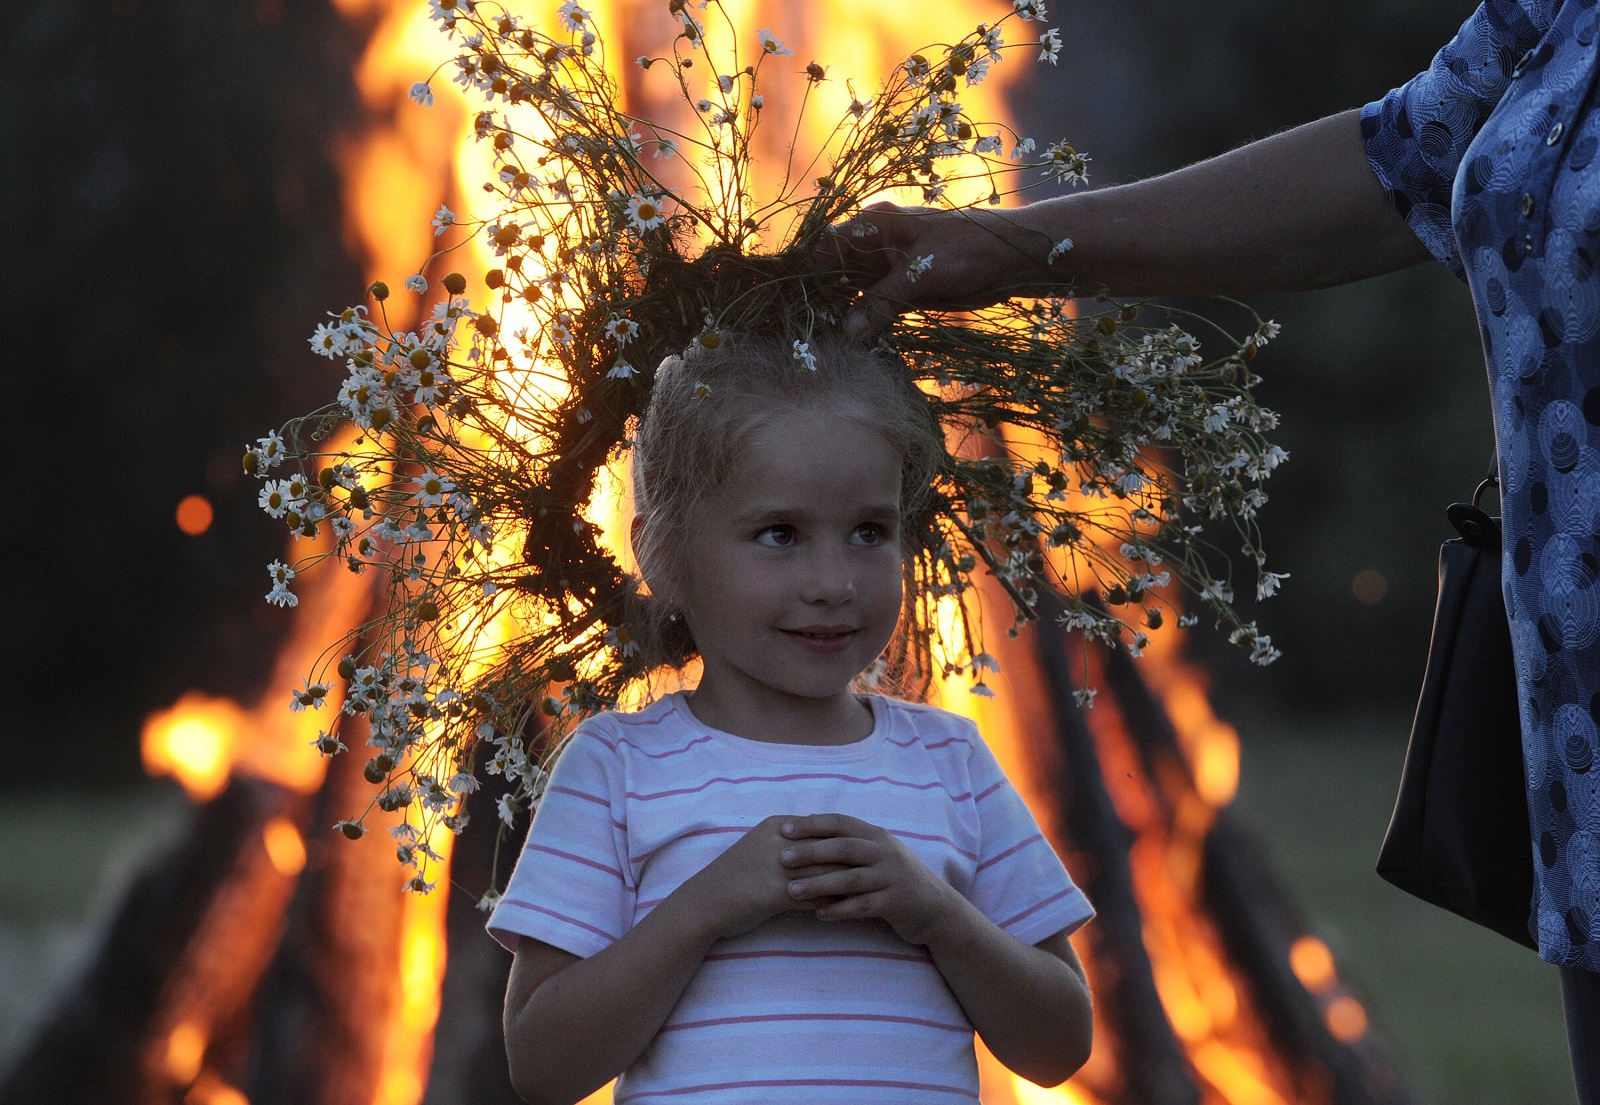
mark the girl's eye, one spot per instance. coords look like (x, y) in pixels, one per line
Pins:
(870, 535)
(776, 537)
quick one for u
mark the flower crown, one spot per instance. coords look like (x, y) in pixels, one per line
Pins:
(1087, 452)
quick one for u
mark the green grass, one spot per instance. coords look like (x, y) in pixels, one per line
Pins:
(69, 860)
(1473, 1018)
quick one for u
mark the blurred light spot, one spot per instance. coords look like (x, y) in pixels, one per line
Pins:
(211, 1090)
(194, 741)
(285, 848)
(1312, 963)
(186, 1048)
(1346, 1019)
(195, 515)
(1369, 586)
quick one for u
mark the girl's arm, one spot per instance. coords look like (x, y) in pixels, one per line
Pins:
(572, 1024)
(1299, 210)
(1029, 1002)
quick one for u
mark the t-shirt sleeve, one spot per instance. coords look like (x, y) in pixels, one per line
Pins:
(1416, 135)
(572, 886)
(1020, 883)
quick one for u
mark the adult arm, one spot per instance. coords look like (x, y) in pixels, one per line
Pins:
(1299, 210)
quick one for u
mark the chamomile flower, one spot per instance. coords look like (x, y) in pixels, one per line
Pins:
(443, 219)
(622, 370)
(432, 488)
(309, 697)
(416, 282)
(1066, 164)
(422, 93)
(918, 267)
(1050, 45)
(770, 44)
(621, 330)
(280, 595)
(1058, 251)
(274, 498)
(801, 352)
(572, 17)
(644, 212)
(1028, 9)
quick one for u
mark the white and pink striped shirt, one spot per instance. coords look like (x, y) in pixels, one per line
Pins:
(795, 1010)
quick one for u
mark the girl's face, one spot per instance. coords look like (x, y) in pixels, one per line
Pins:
(792, 584)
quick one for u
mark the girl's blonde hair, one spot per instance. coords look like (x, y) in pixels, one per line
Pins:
(703, 408)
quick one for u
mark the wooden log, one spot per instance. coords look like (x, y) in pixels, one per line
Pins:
(1149, 1056)
(1257, 923)
(1260, 925)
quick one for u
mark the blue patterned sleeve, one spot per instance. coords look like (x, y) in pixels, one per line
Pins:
(1416, 135)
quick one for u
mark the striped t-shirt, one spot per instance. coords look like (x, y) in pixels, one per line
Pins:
(796, 1009)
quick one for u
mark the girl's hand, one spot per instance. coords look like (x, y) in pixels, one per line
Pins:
(749, 882)
(869, 873)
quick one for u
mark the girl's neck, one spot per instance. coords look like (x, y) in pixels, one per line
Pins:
(841, 719)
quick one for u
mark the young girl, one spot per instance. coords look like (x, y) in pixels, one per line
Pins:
(771, 888)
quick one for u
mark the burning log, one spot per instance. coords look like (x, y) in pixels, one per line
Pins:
(1149, 1057)
(1313, 1020)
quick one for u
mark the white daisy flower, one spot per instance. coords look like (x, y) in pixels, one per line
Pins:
(572, 17)
(1050, 45)
(621, 330)
(770, 44)
(432, 488)
(644, 212)
(422, 93)
(802, 353)
(921, 265)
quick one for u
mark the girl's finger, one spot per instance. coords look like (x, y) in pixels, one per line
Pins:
(850, 882)
(844, 850)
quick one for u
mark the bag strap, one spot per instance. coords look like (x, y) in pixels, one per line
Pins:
(1476, 526)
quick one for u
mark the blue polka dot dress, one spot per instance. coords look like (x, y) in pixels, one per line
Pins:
(1493, 156)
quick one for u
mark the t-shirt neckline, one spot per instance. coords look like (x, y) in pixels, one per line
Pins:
(882, 720)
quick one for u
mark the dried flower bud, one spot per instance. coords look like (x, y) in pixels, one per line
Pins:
(455, 283)
(427, 610)
(379, 290)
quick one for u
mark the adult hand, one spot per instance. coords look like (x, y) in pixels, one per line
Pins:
(846, 868)
(749, 883)
(922, 257)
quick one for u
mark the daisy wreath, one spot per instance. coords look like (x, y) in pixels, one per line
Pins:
(485, 433)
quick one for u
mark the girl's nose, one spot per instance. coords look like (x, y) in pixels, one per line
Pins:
(828, 579)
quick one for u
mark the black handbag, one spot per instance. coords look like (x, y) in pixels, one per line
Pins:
(1459, 837)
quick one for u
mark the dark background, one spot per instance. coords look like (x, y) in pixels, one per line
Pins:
(173, 237)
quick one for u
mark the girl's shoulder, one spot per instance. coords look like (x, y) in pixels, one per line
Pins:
(930, 726)
(615, 730)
